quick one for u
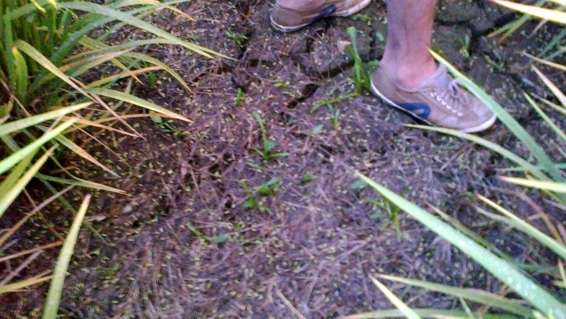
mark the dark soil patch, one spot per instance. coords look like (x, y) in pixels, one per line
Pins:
(184, 245)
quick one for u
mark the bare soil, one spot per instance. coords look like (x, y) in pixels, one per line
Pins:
(185, 243)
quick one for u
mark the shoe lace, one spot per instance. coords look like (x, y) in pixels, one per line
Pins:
(453, 98)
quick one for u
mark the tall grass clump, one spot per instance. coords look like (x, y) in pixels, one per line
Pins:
(47, 49)
(539, 171)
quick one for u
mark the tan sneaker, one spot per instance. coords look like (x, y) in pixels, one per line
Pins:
(292, 19)
(438, 101)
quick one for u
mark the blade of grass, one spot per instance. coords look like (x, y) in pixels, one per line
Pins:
(536, 150)
(131, 99)
(426, 313)
(475, 295)
(18, 125)
(553, 88)
(83, 153)
(12, 230)
(543, 185)
(56, 286)
(46, 63)
(80, 183)
(407, 312)
(7, 198)
(558, 66)
(525, 227)
(554, 106)
(18, 286)
(542, 13)
(498, 267)
(547, 119)
(165, 67)
(131, 20)
(535, 170)
(118, 47)
(21, 74)
(14, 158)
(15, 174)
(112, 78)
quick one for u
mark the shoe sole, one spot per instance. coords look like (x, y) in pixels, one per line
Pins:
(344, 13)
(479, 128)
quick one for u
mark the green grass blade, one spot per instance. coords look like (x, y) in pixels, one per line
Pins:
(533, 169)
(165, 67)
(17, 125)
(475, 295)
(536, 150)
(21, 75)
(131, 99)
(56, 287)
(8, 42)
(528, 229)
(131, 20)
(426, 313)
(547, 119)
(7, 198)
(551, 64)
(18, 286)
(6, 108)
(9, 182)
(119, 47)
(407, 312)
(498, 267)
(46, 63)
(72, 146)
(543, 185)
(553, 88)
(541, 13)
(14, 158)
(80, 183)
(115, 77)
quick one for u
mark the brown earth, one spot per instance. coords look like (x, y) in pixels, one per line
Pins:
(185, 244)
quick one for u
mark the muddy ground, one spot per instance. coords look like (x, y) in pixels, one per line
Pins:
(195, 238)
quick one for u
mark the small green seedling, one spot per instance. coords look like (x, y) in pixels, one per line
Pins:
(363, 18)
(255, 166)
(270, 187)
(267, 151)
(390, 209)
(358, 185)
(238, 38)
(218, 239)
(465, 48)
(307, 178)
(281, 84)
(361, 75)
(197, 233)
(240, 95)
(166, 126)
(335, 118)
(151, 79)
(329, 102)
(256, 198)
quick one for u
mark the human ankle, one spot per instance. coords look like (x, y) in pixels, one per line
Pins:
(409, 75)
(299, 4)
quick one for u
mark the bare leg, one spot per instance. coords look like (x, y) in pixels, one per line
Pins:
(299, 4)
(406, 59)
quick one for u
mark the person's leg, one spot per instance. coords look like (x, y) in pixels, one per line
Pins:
(409, 79)
(406, 59)
(300, 4)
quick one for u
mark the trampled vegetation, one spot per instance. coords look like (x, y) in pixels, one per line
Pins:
(71, 72)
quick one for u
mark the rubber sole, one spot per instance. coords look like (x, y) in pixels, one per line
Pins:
(479, 128)
(344, 13)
